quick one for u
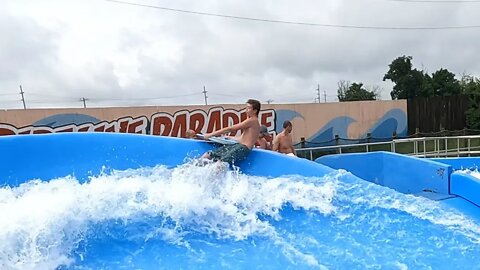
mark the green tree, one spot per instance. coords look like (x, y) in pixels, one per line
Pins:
(354, 92)
(409, 83)
(471, 86)
(443, 83)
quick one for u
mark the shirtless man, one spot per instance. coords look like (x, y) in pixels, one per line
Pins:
(250, 129)
(262, 142)
(283, 141)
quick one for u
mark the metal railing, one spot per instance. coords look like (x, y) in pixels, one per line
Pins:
(420, 147)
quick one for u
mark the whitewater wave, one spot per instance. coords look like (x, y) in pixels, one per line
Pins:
(211, 214)
(43, 222)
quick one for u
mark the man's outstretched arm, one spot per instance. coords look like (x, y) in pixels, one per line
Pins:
(243, 125)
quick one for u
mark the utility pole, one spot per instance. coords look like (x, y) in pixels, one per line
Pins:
(23, 98)
(84, 104)
(325, 96)
(318, 93)
(205, 94)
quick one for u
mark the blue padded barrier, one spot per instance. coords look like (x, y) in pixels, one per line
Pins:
(400, 172)
(460, 163)
(465, 186)
(461, 184)
(26, 157)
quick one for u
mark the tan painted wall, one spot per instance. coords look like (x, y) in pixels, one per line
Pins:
(310, 117)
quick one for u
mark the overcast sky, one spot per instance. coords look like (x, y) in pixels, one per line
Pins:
(116, 54)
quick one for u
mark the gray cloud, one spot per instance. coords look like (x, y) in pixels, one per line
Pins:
(25, 47)
(173, 55)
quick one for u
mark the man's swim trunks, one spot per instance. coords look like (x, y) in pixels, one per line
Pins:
(230, 153)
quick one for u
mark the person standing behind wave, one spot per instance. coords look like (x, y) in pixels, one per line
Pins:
(262, 141)
(283, 142)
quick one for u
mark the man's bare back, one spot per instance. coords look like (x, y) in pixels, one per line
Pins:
(250, 129)
(250, 132)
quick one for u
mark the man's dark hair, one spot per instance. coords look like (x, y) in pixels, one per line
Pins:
(287, 124)
(255, 105)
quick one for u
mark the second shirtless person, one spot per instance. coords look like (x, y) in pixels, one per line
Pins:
(283, 141)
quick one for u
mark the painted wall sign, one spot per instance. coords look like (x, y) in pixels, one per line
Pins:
(314, 122)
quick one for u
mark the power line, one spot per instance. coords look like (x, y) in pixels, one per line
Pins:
(295, 99)
(119, 99)
(44, 101)
(48, 95)
(83, 99)
(152, 98)
(289, 95)
(437, 2)
(284, 96)
(294, 22)
(6, 101)
(225, 95)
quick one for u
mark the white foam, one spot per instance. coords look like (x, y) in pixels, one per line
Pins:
(42, 222)
(475, 173)
(420, 207)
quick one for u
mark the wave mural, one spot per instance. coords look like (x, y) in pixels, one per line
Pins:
(394, 121)
(284, 115)
(59, 120)
(326, 135)
(317, 124)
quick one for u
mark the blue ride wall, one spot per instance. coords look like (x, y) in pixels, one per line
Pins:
(462, 184)
(460, 163)
(465, 186)
(412, 175)
(49, 156)
(402, 173)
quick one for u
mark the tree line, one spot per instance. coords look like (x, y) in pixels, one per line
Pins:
(410, 82)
